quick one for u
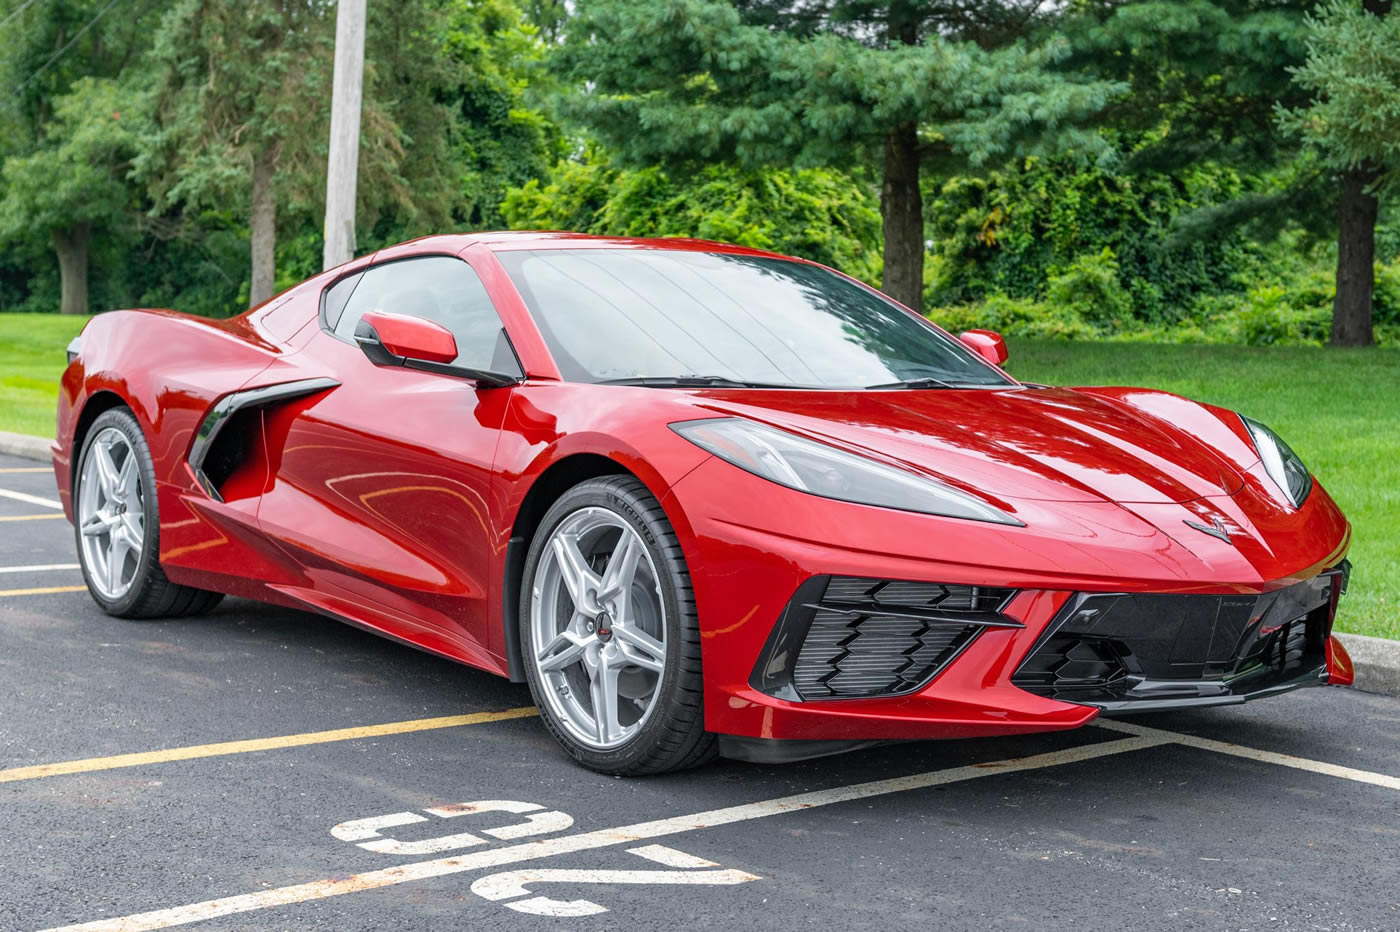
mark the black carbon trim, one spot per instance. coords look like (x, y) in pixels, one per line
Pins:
(786, 750)
(229, 405)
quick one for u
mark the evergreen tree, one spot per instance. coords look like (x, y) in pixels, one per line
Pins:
(1353, 123)
(1212, 80)
(239, 107)
(908, 85)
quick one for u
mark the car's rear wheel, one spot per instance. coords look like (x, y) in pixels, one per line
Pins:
(117, 525)
(609, 632)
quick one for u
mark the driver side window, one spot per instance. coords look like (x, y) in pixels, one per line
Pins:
(442, 289)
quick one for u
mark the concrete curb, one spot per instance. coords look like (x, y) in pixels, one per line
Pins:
(1376, 661)
(33, 448)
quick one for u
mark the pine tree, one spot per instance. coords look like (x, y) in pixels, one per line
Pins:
(1255, 85)
(1353, 123)
(239, 107)
(910, 85)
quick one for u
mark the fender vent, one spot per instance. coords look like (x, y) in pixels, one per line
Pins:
(229, 450)
(226, 434)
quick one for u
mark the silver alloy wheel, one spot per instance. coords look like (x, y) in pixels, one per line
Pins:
(111, 513)
(599, 628)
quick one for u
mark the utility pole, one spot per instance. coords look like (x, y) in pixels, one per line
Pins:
(344, 162)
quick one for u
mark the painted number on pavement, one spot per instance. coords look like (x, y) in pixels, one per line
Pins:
(512, 888)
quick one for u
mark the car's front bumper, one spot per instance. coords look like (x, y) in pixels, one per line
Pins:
(755, 545)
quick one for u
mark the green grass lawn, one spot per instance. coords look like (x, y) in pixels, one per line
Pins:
(1340, 409)
(32, 358)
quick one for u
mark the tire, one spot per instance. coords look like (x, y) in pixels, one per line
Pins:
(657, 616)
(145, 592)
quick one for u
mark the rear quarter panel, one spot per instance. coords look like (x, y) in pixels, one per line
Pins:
(169, 368)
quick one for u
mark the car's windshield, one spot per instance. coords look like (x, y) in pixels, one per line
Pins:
(658, 314)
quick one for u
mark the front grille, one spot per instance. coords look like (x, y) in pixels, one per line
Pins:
(1122, 650)
(845, 637)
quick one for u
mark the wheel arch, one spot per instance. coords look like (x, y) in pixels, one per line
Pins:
(553, 482)
(94, 406)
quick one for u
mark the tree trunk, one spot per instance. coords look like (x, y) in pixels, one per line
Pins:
(72, 248)
(902, 207)
(1356, 257)
(263, 227)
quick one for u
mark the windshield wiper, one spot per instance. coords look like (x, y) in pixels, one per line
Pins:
(690, 381)
(926, 381)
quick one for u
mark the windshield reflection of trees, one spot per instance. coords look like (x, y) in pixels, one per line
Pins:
(868, 322)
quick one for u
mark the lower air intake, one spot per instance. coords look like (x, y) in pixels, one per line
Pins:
(846, 637)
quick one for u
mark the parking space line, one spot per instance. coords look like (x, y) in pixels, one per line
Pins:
(191, 752)
(1267, 757)
(30, 517)
(31, 499)
(39, 568)
(14, 469)
(602, 838)
(42, 590)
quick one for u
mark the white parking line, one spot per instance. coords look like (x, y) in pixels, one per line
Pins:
(1267, 757)
(31, 499)
(602, 838)
(40, 568)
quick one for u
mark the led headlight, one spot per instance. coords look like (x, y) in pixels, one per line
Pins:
(1280, 462)
(822, 470)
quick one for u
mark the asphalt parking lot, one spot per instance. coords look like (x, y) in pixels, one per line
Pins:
(261, 768)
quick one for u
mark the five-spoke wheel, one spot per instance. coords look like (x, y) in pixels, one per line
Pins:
(117, 525)
(609, 633)
(596, 610)
(111, 513)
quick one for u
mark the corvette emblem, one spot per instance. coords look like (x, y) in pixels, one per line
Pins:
(1215, 529)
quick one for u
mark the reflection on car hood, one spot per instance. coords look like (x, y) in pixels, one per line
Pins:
(1129, 446)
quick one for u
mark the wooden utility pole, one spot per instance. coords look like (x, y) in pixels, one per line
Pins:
(344, 162)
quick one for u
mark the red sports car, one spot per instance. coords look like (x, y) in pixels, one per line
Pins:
(703, 499)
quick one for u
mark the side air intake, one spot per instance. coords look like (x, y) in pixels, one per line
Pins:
(225, 435)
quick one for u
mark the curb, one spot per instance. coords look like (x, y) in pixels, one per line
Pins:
(1376, 662)
(33, 448)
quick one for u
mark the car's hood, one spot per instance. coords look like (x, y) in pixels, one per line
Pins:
(1029, 444)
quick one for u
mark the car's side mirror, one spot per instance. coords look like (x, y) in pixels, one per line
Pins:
(417, 343)
(385, 336)
(988, 344)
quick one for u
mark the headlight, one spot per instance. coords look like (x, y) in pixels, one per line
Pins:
(1280, 462)
(818, 469)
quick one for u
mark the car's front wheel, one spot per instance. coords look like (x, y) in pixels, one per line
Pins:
(609, 633)
(117, 525)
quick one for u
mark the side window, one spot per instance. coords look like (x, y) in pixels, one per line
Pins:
(337, 296)
(440, 288)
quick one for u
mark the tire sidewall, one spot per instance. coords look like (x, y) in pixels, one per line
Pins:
(625, 504)
(124, 421)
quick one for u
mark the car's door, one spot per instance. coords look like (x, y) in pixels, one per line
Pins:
(381, 486)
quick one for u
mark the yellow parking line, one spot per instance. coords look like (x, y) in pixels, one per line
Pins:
(31, 517)
(258, 744)
(27, 469)
(41, 591)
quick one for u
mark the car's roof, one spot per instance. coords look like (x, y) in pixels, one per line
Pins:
(509, 240)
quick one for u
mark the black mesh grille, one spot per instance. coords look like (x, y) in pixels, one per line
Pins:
(1128, 650)
(875, 637)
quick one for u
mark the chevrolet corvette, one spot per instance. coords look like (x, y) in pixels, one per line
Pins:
(702, 499)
